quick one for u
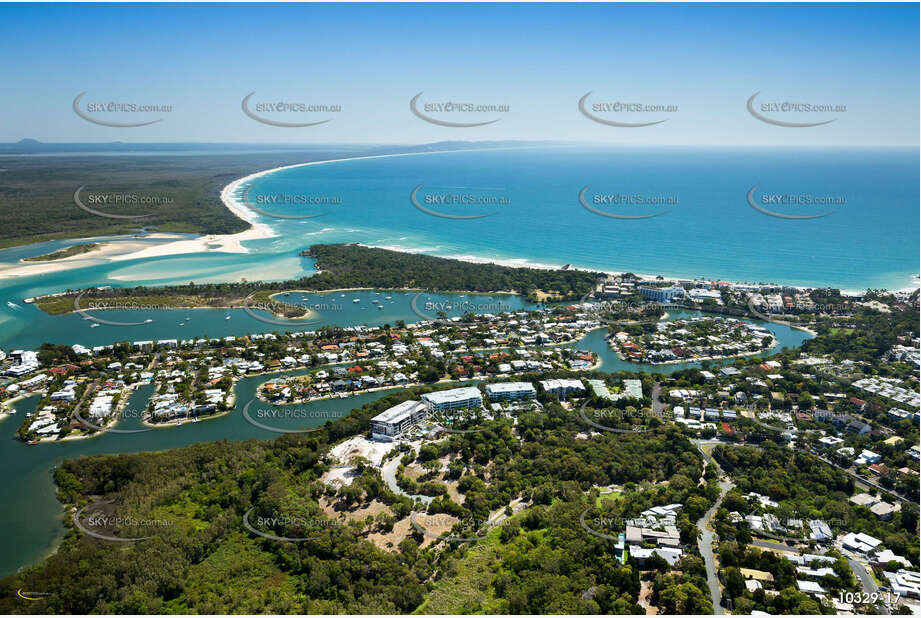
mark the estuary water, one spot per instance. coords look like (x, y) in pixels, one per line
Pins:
(32, 515)
(526, 209)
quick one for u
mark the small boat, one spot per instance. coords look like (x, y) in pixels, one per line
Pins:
(12, 305)
(387, 297)
(33, 442)
(227, 318)
(354, 300)
(148, 321)
(194, 420)
(380, 306)
(94, 325)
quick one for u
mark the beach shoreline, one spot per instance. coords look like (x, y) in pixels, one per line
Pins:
(232, 199)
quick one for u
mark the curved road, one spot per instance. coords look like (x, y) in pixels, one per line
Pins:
(707, 536)
(389, 472)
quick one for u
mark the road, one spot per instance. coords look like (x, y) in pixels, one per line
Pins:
(707, 536)
(705, 544)
(866, 581)
(658, 408)
(772, 545)
(389, 472)
(863, 480)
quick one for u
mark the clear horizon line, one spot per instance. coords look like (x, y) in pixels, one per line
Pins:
(462, 141)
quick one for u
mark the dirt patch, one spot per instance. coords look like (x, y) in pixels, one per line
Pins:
(360, 446)
(544, 296)
(455, 495)
(388, 541)
(339, 476)
(373, 508)
(435, 525)
(412, 471)
(439, 524)
(643, 600)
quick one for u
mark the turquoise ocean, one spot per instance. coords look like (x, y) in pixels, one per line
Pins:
(704, 227)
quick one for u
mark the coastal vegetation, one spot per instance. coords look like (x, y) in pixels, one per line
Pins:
(64, 253)
(174, 194)
(344, 266)
(203, 559)
(518, 489)
(807, 488)
(174, 187)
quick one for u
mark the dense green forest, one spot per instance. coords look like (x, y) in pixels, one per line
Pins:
(354, 266)
(206, 561)
(37, 193)
(357, 266)
(869, 334)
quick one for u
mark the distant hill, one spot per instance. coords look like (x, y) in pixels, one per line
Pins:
(33, 146)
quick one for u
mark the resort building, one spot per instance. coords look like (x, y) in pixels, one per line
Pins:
(509, 391)
(562, 388)
(662, 295)
(394, 421)
(453, 399)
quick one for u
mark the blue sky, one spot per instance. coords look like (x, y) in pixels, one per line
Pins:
(538, 59)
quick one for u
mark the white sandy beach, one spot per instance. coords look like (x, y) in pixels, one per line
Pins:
(105, 250)
(231, 197)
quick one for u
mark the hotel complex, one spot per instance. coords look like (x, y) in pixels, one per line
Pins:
(509, 391)
(453, 399)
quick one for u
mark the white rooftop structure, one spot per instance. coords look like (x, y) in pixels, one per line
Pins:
(394, 421)
(510, 390)
(809, 587)
(562, 387)
(455, 398)
(859, 542)
(906, 583)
